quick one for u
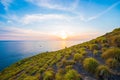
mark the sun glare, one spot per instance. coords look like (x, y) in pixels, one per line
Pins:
(63, 35)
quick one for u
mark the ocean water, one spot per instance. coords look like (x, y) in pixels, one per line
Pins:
(13, 51)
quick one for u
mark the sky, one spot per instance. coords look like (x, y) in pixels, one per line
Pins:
(48, 19)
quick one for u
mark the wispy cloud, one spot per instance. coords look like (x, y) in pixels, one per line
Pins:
(23, 34)
(13, 33)
(33, 18)
(83, 17)
(42, 17)
(103, 12)
(52, 4)
(6, 3)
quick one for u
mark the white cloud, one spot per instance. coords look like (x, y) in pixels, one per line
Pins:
(86, 19)
(103, 12)
(6, 3)
(23, 34)
(33, 18)
(51, 4)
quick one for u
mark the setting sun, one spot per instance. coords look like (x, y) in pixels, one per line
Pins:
(63, 35)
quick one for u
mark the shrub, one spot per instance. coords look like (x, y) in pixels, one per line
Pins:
(78, 56)
(90, 64)
(103, 40)
(112, 63)
(105, 45)
(82, 49)
(67, 56)
(68, 62)
(67, 68)
(30, 78)
(59, 75)
(104, 49)
(83, 53)
(72, 75)
(102, 71)
(95, 52)
(93, 47)
(42, 70)
(116, 41)
(48, 75)
(112, 53)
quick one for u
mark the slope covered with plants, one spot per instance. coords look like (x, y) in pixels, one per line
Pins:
(98, 59)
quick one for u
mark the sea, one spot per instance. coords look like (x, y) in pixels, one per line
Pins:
(13, 51)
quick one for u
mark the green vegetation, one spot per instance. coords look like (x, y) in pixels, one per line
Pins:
(103, 71)
(60, 74)
(112, 53)
(93, 47)
(95, 52)
(78, 57)
(48, 75)
(112, 63)
(90, 64)
(99, 57)
(72, 75)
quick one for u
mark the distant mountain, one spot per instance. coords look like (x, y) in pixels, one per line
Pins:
(97, 59)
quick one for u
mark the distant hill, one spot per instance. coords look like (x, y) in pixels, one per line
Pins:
(97, 59)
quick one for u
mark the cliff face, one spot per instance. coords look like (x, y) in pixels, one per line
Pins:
(98, 59)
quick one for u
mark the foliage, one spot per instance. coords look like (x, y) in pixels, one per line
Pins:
(103, 71)
(95, 52)
(59, 75)
(48, 75)
(90, 64)
(64, 62)
(78, 57)
(68, 62)
(112, 63)
(72, 75)
(69, 67)
(93, 47)
(112, 53)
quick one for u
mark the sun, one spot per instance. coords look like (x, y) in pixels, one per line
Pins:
(63, 35)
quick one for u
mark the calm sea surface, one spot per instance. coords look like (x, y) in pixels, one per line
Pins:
(13, 51)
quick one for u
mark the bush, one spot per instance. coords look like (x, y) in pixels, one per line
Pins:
(67, 56)
(112, 53)
(42, 70)
(102, 71)
(48, 75)
(103, 40)
(104, 49)
(93, 47)
(95, 52)
(83, 53)
(112, 63)
(82, 49)
(90, 64)
(30, 78)
(105, 45)
(78, 56)
(116, 41)
(68, 62)
(59, 75)
(72, 75)
(69, 67)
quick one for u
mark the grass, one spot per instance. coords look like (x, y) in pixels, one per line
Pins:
(74, 63)
(90, 64)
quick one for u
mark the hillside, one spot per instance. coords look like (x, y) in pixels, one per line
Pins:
(98, 59)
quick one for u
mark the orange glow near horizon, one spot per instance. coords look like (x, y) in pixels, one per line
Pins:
(63, 35)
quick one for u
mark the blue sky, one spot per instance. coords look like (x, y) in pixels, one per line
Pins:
(46, 19)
